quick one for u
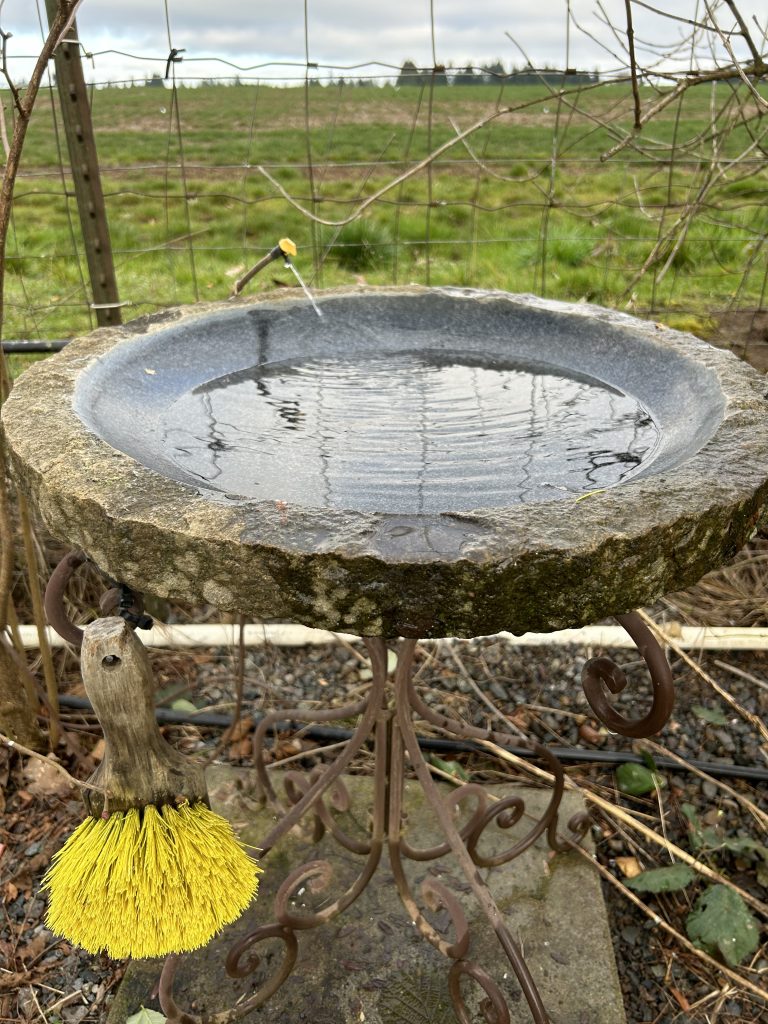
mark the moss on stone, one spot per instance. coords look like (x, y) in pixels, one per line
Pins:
(540, 567)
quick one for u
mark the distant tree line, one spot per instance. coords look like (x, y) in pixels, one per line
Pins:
(410, 74)
(488, 74)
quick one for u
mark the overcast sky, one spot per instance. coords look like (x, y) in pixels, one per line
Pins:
(249, 32)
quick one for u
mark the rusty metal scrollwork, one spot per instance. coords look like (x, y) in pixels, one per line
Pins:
(465, 817)
(173, 1012)
(436, 896)
(493, 1008)
(242, 960)
(404, 739)
(469, 791)
(511, 810)
(296, 785)
(602, 673)
(316, 876)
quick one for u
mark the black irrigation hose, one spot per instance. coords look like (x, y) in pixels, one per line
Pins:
(15, 347)
(568, 755)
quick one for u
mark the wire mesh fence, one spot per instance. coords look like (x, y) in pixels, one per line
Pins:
(635, 178)
(641, 184)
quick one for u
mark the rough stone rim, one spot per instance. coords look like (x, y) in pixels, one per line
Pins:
(64, 467)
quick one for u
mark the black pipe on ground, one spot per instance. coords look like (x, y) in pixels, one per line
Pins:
(31, 347)
(568, 755)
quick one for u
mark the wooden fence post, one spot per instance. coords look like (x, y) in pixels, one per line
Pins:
(76, 118)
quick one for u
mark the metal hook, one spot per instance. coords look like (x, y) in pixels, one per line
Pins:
(119, 600)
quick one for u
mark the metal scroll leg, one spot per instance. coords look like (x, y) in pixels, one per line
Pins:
(600, 672)
(495, 1007)
(385, 717)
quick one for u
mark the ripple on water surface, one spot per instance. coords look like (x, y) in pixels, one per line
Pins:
(408, 433)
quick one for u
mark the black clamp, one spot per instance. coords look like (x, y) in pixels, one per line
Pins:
(173, 58)
(118, 600)
(130, 608)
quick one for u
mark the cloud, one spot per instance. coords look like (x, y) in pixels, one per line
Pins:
(341, 33)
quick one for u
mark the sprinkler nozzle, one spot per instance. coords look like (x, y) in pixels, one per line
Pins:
(285, 248)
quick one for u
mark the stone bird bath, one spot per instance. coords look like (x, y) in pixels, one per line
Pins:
(415, 463)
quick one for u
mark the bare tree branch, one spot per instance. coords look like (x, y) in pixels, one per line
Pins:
(410, 173)
(13, 745)
(737, 66)
(756, 56)
(675, 17)
(633, 64)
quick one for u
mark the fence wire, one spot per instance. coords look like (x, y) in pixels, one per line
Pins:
(640, 186)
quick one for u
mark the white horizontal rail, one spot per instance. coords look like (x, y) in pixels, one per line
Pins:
(707, 638)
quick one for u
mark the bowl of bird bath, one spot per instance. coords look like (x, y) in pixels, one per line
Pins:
(414, 462)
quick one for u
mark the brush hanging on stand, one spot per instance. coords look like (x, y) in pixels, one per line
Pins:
(152, 870)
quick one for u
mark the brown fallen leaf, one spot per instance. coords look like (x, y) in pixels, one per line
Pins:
(520, 718)
(590, 734)
(287, 748)
(242, 748)
(12, 980)
(680, 999)
(629, 866)
(25, 879)
(241, 729)
(32, 949)
(43, 778)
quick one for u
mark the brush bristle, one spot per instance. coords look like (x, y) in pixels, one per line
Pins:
(148, 883)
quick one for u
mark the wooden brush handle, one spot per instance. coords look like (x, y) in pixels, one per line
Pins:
(139, 767)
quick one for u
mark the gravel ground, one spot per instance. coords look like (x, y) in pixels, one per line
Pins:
(539, 691)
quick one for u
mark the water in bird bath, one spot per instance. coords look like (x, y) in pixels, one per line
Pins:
(413, 432)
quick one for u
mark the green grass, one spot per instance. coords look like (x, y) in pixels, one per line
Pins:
(506, 221)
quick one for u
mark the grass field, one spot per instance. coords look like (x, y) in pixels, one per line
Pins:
(526, 205)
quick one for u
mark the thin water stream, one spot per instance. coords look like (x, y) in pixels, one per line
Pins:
(304, 287)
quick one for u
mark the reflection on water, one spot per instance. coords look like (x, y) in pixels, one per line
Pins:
(410, 432)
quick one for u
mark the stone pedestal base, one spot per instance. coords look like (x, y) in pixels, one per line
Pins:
(371, 966)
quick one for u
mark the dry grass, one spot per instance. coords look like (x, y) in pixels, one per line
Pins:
(734, 596)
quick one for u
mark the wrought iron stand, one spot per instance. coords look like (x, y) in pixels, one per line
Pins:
(386, 717)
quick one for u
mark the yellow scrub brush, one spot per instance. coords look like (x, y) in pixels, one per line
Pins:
(153, 870)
